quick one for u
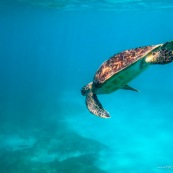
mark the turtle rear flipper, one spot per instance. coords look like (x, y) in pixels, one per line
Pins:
(95, 107)
(163, 54)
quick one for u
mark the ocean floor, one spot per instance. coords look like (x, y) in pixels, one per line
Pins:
(137, 137)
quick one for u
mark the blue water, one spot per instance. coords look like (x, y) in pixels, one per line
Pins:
(48, 51)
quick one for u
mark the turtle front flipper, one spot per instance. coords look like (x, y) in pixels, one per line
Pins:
(127, 87)
(95, 107)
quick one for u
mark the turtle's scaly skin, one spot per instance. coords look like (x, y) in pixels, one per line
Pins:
(119, 62)
(164, 56)
(94, 106)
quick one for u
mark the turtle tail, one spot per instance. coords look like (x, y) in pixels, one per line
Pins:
(95, 107)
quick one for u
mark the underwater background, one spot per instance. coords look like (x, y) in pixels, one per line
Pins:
(50, 49)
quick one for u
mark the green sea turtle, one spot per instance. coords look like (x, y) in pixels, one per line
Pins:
(119, 70)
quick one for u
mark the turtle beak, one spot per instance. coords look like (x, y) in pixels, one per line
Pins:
(83, 91)
(86, 89)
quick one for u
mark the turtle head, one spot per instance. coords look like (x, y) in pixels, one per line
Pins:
(86, 89)
(162, 54)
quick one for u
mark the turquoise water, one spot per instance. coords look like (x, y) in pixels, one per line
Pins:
(48, 51)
